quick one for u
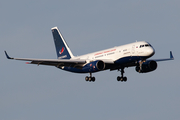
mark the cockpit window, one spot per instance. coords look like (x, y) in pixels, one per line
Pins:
(146, 45)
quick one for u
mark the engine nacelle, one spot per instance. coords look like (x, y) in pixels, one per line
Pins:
(95, 66)
(147, 67)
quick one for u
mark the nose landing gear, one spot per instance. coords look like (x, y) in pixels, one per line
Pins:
(122, 78)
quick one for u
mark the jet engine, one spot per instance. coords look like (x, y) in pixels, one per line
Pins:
(147, 66)
(95, 66)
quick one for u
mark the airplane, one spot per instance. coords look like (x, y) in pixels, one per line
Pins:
(117, 58)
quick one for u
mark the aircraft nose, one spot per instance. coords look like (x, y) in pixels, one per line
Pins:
(151, 51)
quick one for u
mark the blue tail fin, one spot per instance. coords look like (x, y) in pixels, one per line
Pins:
(62, 49)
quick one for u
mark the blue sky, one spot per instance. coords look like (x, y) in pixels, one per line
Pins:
(42, 92)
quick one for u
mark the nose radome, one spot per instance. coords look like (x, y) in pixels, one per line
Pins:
(151, 51)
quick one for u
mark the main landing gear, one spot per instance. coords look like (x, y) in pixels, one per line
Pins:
(90, 78)
(122, 78)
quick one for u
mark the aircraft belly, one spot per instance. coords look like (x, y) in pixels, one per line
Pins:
(76, 70)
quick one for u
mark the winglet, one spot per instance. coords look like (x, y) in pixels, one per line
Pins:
(171, 55)
(7, 55)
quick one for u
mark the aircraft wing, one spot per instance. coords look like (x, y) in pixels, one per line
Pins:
(52, 62)
(77, 63)
(158, 60)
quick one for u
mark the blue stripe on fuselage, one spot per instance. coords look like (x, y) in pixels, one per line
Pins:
(129, 59)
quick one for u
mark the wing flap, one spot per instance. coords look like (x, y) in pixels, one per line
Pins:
(59, 64)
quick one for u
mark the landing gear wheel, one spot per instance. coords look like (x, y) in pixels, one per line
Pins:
(86, 78)
(122, 78)
(90, 78)
(93, 79)
(118, 78)
(125, 79)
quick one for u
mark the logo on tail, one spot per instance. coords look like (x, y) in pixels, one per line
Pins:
(61, 50)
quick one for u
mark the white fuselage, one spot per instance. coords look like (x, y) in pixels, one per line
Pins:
(143, 49)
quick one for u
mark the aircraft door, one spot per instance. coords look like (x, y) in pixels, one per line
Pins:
(133, 50)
